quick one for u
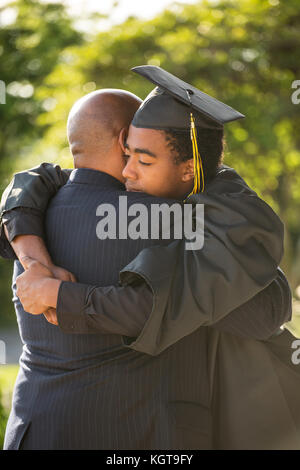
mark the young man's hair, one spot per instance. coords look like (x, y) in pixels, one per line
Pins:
(210, 145)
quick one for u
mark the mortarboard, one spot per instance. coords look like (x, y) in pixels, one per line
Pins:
(177, 105)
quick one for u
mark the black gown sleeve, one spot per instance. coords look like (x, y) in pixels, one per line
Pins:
(107, 310)
(20, 221)
(42, 183)
(23, 211)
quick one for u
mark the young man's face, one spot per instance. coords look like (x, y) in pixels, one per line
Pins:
(151, 168)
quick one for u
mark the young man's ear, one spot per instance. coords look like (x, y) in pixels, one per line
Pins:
(188, 171)
(122, 138)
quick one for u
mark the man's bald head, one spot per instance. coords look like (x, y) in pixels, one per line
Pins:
(95, 122)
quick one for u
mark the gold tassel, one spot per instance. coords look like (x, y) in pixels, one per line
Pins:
(198, 167)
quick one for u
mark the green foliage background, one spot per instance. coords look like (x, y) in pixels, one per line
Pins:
(7, 379)
(244, 52)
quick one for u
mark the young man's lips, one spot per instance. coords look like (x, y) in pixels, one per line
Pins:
(132, 188)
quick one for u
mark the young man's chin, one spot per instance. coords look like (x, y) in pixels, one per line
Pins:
(133, 190)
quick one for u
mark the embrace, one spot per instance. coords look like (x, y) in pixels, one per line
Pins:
(135, 342)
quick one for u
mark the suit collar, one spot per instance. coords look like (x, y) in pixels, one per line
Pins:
(88, 176)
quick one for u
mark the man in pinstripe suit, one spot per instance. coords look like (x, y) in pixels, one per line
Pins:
(89, 391)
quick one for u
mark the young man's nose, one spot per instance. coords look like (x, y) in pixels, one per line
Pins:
(129, 172)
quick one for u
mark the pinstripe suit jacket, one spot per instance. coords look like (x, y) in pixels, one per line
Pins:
(87, 391)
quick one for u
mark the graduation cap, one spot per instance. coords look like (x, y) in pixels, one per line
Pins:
(177, 105)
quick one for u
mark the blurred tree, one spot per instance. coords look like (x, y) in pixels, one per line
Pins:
(30, 48)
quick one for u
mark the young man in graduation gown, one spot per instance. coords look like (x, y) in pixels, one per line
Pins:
(163, 317)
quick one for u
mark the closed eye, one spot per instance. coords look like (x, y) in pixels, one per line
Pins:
(126, 156)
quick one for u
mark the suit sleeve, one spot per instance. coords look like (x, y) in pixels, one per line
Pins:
(34, 188)
(125, 310)
(25, 200)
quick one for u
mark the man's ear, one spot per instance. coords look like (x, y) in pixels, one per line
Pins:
(188, 171)
(122, 138)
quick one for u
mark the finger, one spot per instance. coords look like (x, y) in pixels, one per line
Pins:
(51, 310)
(68, 277)
(26, 261)
(50, 316)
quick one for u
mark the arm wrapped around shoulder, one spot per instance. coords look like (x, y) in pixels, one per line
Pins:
(34, 188)
(25, 201)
